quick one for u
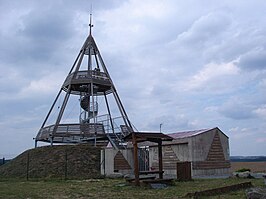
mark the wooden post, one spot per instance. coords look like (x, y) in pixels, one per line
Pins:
(160, 156)
(136, 160)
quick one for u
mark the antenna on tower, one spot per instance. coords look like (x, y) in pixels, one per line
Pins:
(90, 19)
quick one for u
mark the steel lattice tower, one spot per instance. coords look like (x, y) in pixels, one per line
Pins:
(88, 84)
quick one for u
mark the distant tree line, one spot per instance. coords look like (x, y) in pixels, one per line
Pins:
(248, 158)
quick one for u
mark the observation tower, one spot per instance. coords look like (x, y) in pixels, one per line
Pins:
(100, 116)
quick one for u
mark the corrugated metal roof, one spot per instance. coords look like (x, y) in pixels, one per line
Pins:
(186, 134)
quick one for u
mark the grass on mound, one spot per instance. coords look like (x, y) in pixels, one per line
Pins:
(59, 161)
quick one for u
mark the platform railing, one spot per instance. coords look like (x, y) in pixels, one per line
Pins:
(83, 75)
(67, 130)
(100, 128)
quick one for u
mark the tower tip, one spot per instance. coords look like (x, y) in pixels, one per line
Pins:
(90, 25)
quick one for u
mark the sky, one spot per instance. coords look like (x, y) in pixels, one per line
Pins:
(184, 64)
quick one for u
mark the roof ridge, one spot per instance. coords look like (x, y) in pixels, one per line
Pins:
(203, 129)
(184, 134)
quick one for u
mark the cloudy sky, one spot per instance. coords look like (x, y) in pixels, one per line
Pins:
(187, 64)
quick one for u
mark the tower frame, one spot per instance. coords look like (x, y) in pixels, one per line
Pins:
(95, 81)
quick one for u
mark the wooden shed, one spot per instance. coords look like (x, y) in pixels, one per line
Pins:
(206, 149)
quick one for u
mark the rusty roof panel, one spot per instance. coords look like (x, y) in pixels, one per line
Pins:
(186, 134)
(147, 136)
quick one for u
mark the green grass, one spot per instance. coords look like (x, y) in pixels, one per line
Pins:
(110, 188)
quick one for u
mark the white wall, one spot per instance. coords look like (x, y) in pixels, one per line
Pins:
(107, 161)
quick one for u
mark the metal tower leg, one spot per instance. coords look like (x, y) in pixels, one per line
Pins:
(109, 112)
(45, 120)
(61, 113)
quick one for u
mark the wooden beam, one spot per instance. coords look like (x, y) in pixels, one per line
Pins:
(136, 160)
(160, 154)
(156, 140)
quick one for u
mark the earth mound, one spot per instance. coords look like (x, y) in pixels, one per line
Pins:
(80, 161)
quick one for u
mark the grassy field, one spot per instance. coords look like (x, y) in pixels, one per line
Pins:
(111, 188)
(253, 166)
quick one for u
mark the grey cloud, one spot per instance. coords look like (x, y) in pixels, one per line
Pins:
(45, 33)
(254, 60)
(40, 45)
(48, 26)
(206, 29)
(237, 110)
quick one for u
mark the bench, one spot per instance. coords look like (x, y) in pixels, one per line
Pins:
(141, 178)
(150, 172)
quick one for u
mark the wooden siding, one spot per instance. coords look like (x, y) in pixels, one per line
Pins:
(215, 158)
(120, 163)
(169, 159)
(210, 164)
(216, 152)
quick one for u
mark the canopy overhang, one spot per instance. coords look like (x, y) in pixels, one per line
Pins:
(148, 136)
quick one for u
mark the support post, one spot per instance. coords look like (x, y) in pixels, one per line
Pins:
(61, 113)
(160, 154)
(109, 112)
(136, 160)
(51, 140)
